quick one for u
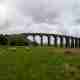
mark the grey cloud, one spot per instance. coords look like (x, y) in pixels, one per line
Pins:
(7, 14)
(42, 10)
(24, 14)
(77, 13)
(42, 15)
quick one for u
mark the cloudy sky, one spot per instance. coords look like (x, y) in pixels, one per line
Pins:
(53, 16)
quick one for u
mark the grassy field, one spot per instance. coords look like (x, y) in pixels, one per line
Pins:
(21, 63)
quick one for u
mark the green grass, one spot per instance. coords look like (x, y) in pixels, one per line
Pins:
(37, 63)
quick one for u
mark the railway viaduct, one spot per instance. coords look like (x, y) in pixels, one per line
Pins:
(70, 42)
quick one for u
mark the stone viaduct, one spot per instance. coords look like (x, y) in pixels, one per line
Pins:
(70, 42)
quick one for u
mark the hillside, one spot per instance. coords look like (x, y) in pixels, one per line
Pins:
(25, 63)
(16, 40)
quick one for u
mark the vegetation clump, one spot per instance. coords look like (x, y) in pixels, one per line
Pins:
(16, 40)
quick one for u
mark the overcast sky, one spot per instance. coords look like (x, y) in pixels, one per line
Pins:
(54, 16)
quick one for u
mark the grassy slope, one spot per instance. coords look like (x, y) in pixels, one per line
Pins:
(38, 64)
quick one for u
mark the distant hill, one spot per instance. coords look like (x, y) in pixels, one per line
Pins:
(16, 40)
